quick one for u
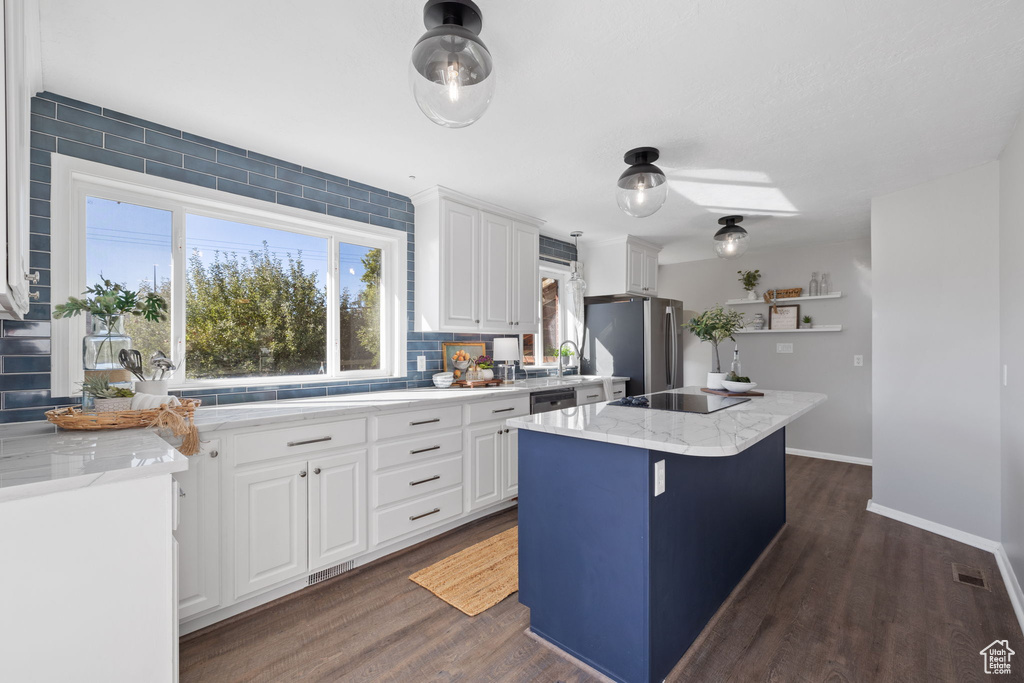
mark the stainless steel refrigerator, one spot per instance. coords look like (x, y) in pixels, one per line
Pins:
(636, 337)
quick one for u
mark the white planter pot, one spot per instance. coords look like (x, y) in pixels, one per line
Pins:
(486, 374)
(111, 405)
(715, 380)
(752, 294)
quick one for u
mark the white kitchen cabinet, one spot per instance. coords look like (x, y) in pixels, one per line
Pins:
(618, 391)
(621, 266)
(592, 393)
(485, 463)
(510, 459)
(198, 532)
(337, 508)
(477, 265)
(270, 524)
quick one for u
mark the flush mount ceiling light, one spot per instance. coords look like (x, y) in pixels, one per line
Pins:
(451, 71)
(641, 188)
(731, 241)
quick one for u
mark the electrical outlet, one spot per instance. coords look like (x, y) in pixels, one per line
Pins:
(1006, 376)
(659, 477)
(858, 361)
(421, 363)
(783, 348)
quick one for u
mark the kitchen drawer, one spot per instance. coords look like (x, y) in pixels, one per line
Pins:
(412, 451)
(502, 409)
(417, 480)
(416, 515)
(593, 393)
(277, 443)
(419, 421)
(618, 391)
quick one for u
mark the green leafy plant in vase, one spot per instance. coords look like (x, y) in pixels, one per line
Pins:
(486, 366)
(105, 396)
(749, 280)
(714, 326)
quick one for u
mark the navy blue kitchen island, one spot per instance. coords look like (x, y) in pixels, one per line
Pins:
(620, 575)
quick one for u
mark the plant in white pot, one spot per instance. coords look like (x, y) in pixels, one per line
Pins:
(715, 325)
(749, 280)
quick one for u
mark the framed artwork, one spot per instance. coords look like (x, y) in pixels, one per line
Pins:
(474, 349)
(783, 317)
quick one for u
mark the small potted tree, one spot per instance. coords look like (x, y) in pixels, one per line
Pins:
(715, 325)
(749, 279)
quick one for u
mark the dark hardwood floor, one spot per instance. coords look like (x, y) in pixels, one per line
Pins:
(844, 595)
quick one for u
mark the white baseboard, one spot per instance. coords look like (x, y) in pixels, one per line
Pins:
(830, 456)
(995, 547)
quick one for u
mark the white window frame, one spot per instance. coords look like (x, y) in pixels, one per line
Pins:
(561, 273)
(75, 179)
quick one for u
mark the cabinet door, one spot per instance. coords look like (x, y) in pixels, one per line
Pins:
(526, 281)
(650, 272)
(634, 269)
(460, 243)
(337, 508)
(269, 526)
(484, 465)
(198, 533)
(510, 459)
(496, 274)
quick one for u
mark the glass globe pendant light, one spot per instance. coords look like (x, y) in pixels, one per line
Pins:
(451, 71)
(642, 188)
(731, 241)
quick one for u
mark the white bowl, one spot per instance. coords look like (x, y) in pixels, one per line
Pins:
(738, 387)
(443, 380)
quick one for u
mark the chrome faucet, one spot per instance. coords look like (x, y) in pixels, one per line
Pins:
(576, 346)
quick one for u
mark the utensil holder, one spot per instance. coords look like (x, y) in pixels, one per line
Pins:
(155, 387)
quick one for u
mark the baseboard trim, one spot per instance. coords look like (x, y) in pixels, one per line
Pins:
(995, 547)
(830, 456)
(934, 527)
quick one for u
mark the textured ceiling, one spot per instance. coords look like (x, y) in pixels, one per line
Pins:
(793, 113)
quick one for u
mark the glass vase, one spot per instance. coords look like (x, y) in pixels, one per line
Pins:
(100, 348)
(812, 288)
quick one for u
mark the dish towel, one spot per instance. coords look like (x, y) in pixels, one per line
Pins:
(607, 382)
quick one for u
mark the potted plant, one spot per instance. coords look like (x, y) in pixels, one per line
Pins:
(486, 365)
(106, 397)
(107, 303)
(715, 325)
(805, 323)
(749, 279)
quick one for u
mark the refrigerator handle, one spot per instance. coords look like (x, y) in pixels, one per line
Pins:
(673, 348)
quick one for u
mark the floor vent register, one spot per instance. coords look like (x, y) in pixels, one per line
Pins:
(330, 572)
(972, 576)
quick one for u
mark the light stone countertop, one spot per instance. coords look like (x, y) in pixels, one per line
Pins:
(722, 433)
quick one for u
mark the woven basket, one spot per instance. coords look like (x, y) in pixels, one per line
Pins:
(178, 419)
(784, 293)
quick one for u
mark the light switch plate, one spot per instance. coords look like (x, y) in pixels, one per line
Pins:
(421, 363)
(659, 477)
(783, 348)
(858, 361)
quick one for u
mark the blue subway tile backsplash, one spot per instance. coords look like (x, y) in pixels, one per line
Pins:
(65, 126)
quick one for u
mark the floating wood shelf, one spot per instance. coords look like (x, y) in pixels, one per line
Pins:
(782, 302)
(816, 328)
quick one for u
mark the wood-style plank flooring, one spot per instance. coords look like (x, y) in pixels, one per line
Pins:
(844, 595)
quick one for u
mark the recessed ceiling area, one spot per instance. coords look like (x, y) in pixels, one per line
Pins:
(792, 114)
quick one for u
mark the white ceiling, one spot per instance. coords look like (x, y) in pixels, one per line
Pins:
(791, 112)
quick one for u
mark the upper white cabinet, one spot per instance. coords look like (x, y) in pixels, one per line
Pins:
(623, 266)
(23, 75)
(477, 266)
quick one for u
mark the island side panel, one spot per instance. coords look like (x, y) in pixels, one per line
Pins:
(583, 555)
(715, 518)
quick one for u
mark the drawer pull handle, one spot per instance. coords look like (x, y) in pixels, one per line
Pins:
(504, 410)
(593, 395)
(424, 422)
(307, 441)
(413, 518)
(424, 481)
(424, 450)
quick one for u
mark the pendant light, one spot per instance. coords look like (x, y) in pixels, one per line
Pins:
(731, 241)
(642, 188)
(451, 71)
(577, 288)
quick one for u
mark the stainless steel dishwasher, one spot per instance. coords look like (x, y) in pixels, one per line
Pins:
(552, 399)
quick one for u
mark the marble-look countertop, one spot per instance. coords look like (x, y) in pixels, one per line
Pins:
(50, 463)
(722, 433)
(260, 414)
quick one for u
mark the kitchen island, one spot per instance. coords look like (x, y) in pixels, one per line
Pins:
(636, 524)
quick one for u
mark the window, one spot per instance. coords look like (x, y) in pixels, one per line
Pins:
(253, 294)
(541, 348)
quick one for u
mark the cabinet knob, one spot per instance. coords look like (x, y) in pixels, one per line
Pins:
(506, 431)
(302, 473)
(214, 454)
(316, 471)
(181, 493)
(476, 321)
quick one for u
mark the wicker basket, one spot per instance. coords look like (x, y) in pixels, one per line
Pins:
(176, 419)
(784, 293)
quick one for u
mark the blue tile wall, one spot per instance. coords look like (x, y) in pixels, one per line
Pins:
(65, 126)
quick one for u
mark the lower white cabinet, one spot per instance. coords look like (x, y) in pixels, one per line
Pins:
(337, 508)
(618, 391)
(198, 532)
(589, 394)
(493, 464)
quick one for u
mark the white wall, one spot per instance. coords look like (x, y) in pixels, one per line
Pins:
(935, 262)
(1011, 305)
(820, 362)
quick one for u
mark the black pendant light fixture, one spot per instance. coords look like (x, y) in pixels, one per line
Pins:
(642, 188)
(731, 241)
(451, 71)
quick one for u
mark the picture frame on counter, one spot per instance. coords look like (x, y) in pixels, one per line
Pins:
(474, 349)
(784, 317)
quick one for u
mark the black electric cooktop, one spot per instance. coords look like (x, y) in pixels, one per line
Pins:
(687, 403)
